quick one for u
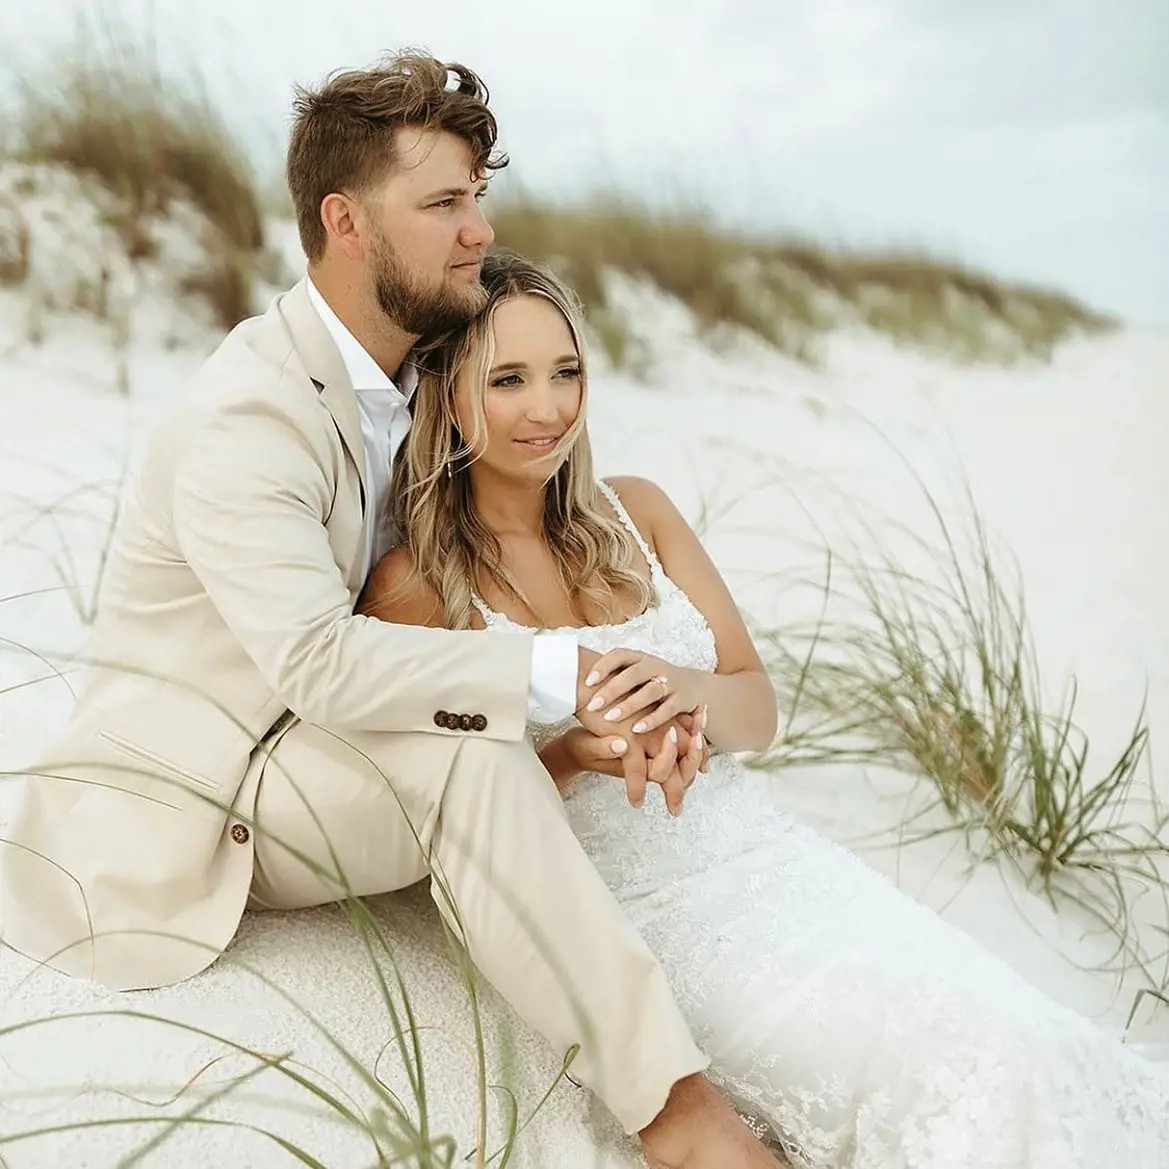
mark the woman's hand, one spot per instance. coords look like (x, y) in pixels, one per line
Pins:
(634, 683)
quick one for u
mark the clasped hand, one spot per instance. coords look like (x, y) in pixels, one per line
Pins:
(642, 725)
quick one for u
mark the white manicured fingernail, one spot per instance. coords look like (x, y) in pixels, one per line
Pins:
(673, 734)
(700, 740)
(611, 716)
(595, 703)
(592, 679)
(638, 728)
(619, 746)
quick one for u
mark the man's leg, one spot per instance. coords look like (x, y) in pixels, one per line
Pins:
(321, 798)
(544, 928)
(508, 876)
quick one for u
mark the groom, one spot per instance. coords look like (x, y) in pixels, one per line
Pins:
(240, 722)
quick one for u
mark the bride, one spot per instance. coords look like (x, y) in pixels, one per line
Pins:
(866, 1031)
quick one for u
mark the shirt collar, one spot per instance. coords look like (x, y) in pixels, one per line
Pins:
(365, 373)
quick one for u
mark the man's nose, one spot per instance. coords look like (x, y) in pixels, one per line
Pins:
(477, 232)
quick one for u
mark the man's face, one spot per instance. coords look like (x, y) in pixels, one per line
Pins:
(427, 234)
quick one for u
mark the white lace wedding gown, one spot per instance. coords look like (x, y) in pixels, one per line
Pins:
(866, 1031)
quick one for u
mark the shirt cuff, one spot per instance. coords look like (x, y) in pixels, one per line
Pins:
(552, 689)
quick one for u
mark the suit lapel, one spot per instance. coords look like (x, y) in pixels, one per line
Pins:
(323, 364)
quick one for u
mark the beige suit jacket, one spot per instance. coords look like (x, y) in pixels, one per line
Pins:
(226, 609)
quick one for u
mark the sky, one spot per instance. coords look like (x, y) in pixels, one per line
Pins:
(1025, 137)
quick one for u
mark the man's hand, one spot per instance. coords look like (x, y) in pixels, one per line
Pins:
(670, 756)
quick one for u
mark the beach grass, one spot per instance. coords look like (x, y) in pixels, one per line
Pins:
(922, 661)
(101, 106)
(786, 291)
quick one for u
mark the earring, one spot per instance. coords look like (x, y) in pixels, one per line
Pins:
(456, 449)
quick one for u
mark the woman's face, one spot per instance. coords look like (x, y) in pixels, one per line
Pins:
(533, 391)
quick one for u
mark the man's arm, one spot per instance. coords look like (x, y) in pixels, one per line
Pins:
(559, 664)
(250, 500)
(394, 592)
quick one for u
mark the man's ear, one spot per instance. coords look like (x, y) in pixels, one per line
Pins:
(345, 223)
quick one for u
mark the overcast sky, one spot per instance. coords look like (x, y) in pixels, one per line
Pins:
(1030, 137)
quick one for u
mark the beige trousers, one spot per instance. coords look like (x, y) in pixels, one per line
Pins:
(484, 820)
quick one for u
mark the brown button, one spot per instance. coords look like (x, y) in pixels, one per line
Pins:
(464, 722)
(440, 717)
(451, 722)
(240, 833)
(478, 722)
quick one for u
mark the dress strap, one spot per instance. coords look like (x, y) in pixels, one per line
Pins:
(629, 525)
(487, 614)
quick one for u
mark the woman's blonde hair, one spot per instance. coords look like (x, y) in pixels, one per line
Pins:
(430, 503)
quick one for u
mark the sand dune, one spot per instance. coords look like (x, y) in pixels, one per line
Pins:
(1066, 461)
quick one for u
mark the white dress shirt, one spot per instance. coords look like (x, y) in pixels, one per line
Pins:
(383, 409)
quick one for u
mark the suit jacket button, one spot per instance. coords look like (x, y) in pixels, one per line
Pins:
(240, 833)
(479, 722)
(440, 717)
(464, 722)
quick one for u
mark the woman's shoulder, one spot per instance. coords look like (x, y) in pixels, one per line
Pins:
(646, 502)
(652, 511)
(395, 592)
(394, 569)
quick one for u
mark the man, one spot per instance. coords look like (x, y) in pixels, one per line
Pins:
(244, 733)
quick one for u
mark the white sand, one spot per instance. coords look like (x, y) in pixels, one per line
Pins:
(1067, 464)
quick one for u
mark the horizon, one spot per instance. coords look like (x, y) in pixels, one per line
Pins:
(1034, 151)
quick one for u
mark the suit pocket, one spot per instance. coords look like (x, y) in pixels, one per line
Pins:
(155, 763)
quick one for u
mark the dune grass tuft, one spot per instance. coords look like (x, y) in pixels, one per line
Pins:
(785, 292)
(929, 668)
(103, 107)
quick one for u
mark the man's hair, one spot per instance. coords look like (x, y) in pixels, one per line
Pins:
(343, 134)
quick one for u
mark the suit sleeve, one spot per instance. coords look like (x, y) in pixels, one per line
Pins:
(251, 497)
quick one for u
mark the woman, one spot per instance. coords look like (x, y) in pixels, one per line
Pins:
(865, 1030)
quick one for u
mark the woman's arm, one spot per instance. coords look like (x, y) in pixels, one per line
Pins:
(559, 763)
(740, 699)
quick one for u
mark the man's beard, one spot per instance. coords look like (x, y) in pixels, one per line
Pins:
(415, 308)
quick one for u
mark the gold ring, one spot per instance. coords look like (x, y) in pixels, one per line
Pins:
(663, 682)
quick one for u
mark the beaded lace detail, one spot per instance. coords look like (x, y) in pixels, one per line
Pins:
(673, 628)
(855, 1023)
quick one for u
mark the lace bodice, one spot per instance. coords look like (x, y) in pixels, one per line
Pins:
(673, 628)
